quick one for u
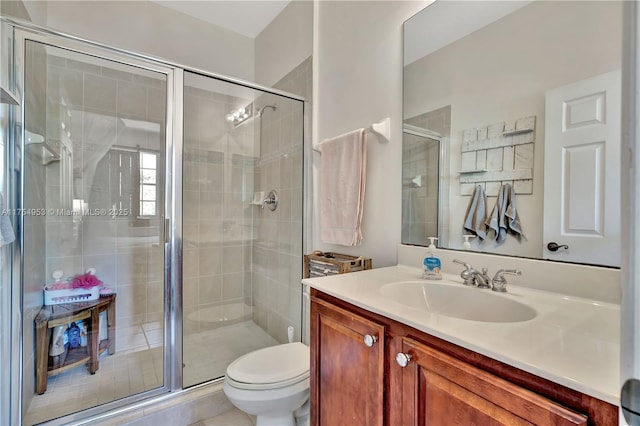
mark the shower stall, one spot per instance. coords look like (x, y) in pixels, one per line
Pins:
(180, 190)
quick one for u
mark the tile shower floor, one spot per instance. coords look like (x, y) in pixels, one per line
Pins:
(208, 353)
(137, 366)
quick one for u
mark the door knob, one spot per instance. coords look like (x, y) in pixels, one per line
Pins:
(553, 246)
(403, 359)
(630, 401)
(370, 340)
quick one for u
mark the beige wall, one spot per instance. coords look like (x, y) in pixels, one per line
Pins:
(284, 43)
(501, 73)
(145, 27)
(17, 9)
(358, 49)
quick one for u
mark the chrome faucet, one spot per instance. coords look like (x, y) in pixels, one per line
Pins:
(482, 279)
(471, 277)
(499, 282)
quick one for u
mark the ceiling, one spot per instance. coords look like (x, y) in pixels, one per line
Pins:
(246, 17)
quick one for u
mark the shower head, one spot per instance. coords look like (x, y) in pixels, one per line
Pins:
(261, 110)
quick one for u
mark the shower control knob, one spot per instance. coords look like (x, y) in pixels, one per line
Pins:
(403, 359)
(370, 340)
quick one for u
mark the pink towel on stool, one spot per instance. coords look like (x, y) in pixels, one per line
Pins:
(342, 178)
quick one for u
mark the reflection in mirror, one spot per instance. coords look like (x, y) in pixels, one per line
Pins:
(525, 94)
(422, 178)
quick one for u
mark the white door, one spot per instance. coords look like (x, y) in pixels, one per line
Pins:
(582, 171)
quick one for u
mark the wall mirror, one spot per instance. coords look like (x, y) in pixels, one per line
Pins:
(520, 102)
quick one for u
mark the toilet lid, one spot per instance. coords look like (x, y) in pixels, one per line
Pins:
(274, 364)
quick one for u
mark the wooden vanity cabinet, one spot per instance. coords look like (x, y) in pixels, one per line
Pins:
(349, 374)
(441, 384)
(448, 391)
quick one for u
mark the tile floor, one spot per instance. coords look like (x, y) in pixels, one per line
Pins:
(137, 366)
(233, 417)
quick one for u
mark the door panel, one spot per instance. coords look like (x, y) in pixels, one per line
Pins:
(582, 171)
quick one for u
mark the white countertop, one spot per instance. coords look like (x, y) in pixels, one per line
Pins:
(571, 341)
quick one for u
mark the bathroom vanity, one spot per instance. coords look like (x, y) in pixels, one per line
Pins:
(379, 357)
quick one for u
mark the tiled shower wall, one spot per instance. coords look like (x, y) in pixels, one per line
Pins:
(88, 108)
(420, 177)
(277, 251)
(421, 157)
(218, 167)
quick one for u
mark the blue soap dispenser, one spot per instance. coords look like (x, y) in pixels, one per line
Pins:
(431, 265)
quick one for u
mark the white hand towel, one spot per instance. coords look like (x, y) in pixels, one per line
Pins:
(342, 179)
(477, 213)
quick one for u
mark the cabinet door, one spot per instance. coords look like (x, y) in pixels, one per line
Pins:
(347, 364)
(438, 389)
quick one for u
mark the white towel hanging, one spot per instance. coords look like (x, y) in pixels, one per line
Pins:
(342, 185)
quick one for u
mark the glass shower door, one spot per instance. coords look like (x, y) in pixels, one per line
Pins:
(242, 258)
(93, 203)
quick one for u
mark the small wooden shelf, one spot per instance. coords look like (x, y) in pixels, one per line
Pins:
(466, 172)
(75, 357)
(55, 315)
(516, 132)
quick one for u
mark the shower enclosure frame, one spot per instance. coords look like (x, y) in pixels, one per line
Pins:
(26, 31)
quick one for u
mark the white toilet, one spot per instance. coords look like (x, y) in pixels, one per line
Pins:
(270, 383)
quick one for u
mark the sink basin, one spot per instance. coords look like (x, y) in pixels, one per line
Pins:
(461, 302)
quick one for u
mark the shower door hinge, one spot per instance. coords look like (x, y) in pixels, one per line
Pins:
(167, 230)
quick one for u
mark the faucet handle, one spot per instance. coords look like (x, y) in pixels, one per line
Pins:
(460, 262)
(499, 282)
(468, 275)
(483, 279)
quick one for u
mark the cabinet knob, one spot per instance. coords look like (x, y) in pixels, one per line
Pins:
(403, 359)
(370, 340)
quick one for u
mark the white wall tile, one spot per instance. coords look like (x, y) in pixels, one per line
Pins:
(467, 188)
(495, 130)
(508, 158)
(493, 188)
(481, 159)
(494, 159)
(523, 186)
(468, 160)
(526, 123)
(524, 156)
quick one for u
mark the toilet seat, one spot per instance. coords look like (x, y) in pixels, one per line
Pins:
(270, 368)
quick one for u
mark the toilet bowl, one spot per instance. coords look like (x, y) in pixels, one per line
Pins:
(270, 383)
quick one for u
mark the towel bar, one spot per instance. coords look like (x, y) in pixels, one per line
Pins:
(381, 128)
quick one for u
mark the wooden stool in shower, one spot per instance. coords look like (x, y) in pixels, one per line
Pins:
(55, 315)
